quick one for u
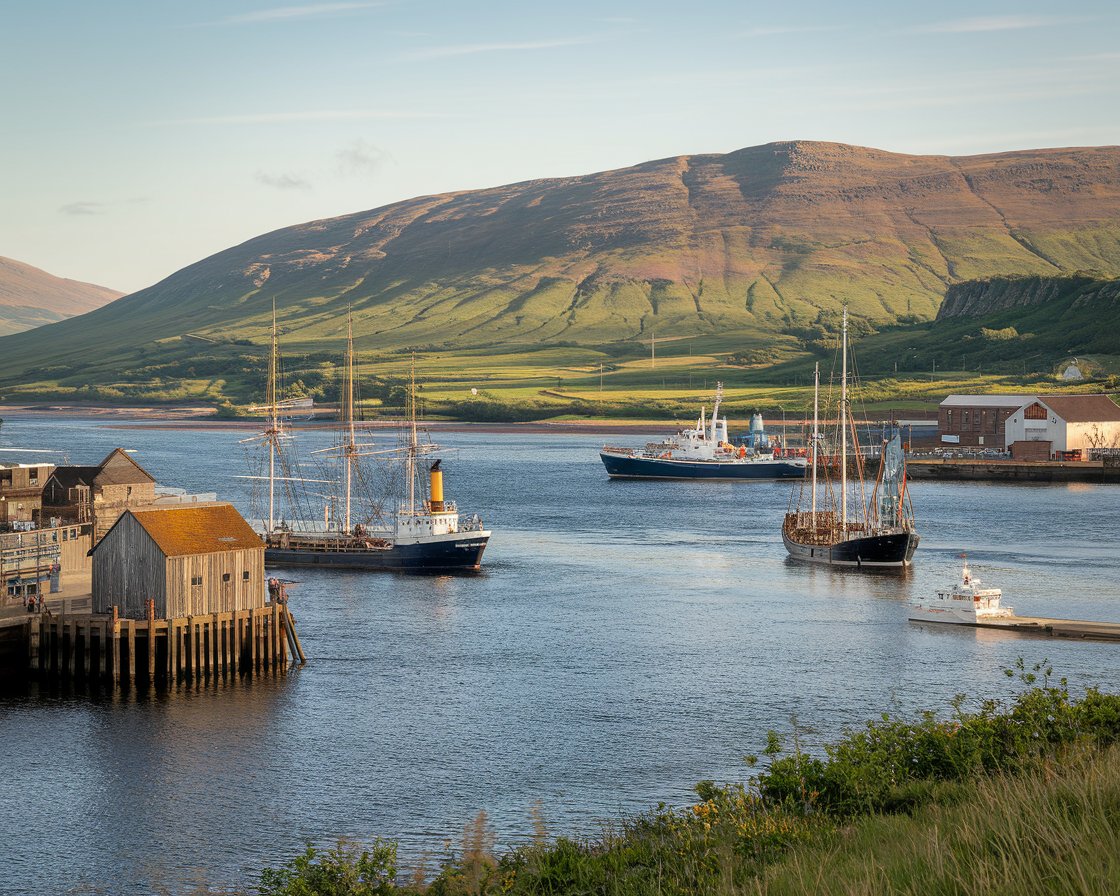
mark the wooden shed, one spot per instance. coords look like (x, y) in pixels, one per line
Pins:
(191, 560)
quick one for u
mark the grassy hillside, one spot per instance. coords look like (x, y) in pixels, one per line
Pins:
(742, 252)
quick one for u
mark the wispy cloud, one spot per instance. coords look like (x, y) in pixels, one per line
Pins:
(282, 181)
(287, 13)
(83, 208)
(773, 30)
(996, 23)
(506, 47)
(306, 115)
(361, 157)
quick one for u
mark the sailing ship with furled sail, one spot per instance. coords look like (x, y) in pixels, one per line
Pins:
(843, 526)
(410, 526)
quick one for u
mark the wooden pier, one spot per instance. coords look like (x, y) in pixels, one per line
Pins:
(117, 650)
(1077, 629)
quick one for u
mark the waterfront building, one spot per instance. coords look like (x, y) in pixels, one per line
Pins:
(21, 494)
(1070, 427)
(190, 560)
(977, 420)
(99, 494)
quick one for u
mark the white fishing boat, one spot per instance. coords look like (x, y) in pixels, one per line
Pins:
(966, 603)
(705, 452)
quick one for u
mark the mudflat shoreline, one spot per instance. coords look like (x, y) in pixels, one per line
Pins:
(205, 418)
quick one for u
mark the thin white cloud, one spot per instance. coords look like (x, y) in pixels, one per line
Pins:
(287, 13)
(775, 30)
(282, 181)
(511, 46)
(360, 158)
(309, 115)
(83, 208)
(977, 24)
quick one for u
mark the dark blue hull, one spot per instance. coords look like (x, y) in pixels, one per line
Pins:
(896, 549)
(626, 467)
(460, 554)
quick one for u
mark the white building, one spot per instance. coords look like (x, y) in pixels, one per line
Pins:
(1053, 424)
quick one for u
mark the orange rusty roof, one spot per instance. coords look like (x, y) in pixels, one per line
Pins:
(1083, 408)
(197, 529)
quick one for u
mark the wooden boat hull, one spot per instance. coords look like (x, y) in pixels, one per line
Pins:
(895, 549)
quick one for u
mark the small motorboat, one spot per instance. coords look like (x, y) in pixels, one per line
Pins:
(966, 603)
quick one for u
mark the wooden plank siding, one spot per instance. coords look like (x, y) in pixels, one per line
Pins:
(214, 595)
(128, 570)
(178, 558)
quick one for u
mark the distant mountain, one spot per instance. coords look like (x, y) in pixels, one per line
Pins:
(758, 242)
(30, 297)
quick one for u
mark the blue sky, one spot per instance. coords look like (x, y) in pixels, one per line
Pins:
(139, 137)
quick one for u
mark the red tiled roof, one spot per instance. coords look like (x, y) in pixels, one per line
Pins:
(1082, 408)
(197, 529)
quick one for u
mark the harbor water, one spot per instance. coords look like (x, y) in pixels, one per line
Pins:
(624, 641)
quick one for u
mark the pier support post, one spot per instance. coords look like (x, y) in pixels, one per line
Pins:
(236, 642)
(34, 627)
(151, 640)
(131, 651)
(116, 646)
(172, 652)
(87, 649)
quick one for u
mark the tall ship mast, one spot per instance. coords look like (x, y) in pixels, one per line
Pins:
(878, 531)
(420, 532)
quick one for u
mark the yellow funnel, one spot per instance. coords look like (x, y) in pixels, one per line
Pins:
(436, 502)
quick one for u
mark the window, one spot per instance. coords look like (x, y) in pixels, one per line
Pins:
(196, 580)
(225, 576)
(948, 420)
(1035, 412)
(245, 576)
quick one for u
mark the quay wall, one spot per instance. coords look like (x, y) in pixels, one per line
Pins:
(957, 469)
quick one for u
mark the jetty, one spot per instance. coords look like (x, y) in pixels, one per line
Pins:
(171, 593)
(1077, 629)
(995, 470)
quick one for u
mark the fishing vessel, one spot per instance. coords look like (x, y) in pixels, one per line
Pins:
(418, 530)
(966, 603)
(879, 530)
(704, 452)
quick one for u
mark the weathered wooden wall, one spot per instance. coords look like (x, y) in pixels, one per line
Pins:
(128, 570)
(214, 594)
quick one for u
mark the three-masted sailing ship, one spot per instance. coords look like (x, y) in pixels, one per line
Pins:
(878, 531)
(422, 532)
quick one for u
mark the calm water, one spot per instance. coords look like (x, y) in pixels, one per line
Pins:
(625, 641)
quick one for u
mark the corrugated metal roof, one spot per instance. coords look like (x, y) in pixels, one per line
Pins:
(987, 401)
(1082, 408)
(197, 529)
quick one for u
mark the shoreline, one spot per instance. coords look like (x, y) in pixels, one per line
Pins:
(150, 417)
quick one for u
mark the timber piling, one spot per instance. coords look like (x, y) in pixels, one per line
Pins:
(119, 651)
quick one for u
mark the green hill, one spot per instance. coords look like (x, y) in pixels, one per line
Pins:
(737, 253)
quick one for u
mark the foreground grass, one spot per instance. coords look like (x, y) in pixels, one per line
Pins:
(1023, 798)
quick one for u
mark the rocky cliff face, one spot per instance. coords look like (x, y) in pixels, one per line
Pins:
(980, 298)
